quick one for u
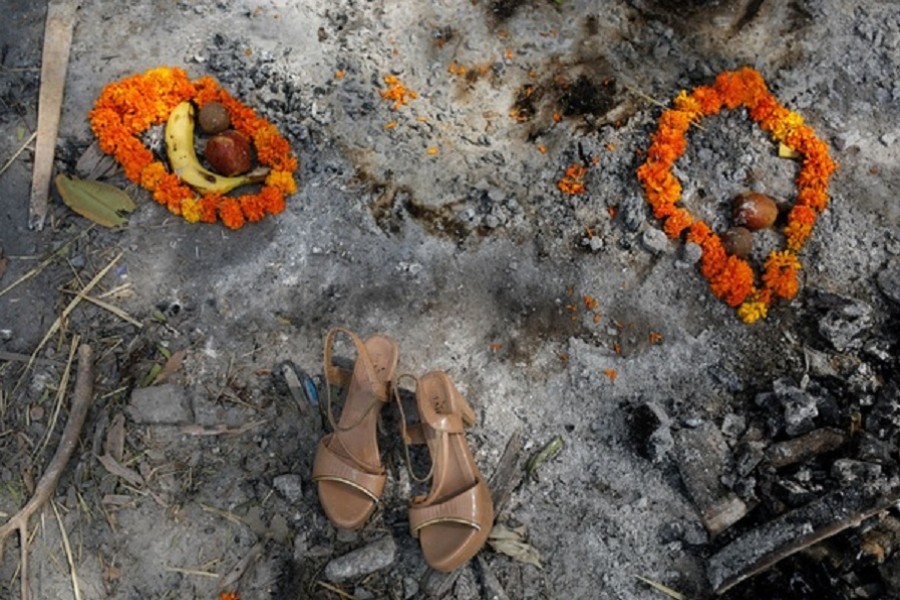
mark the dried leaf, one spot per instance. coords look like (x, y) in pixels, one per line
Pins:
(511, 543)
(3, 262)
(172, 365)
(115, 438)
(114, 468)
(100, 202)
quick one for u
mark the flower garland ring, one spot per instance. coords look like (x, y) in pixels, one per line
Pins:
(127, 108)
(733, 279)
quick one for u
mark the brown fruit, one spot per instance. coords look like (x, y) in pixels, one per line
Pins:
(228, 153)
(738, 241)
(754, 211)
(213, 118)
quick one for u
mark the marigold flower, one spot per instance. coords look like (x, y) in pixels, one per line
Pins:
(752, 311)
(677, 222)
(734, 282)
(732, 279)
(125, 109)
(231, 214)
(780, 274)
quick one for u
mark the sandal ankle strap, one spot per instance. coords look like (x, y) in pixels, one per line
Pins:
(339, 377)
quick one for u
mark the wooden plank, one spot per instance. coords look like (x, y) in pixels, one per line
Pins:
(793, 531)
(58, 32)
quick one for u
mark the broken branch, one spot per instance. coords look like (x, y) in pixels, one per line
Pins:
(81, 402)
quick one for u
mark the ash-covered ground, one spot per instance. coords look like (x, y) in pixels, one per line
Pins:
(441, 224)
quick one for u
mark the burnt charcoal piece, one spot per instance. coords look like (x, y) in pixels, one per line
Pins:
(804, 447)
(768, 544)
(702, 457)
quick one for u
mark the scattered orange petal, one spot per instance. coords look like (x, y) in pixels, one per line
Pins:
(611, 373)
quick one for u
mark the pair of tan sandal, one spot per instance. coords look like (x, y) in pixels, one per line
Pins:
(453, 520)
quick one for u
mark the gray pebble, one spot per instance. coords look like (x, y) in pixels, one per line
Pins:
(691, 253)
(889, 281)
(631, 212)
(800, 407)
(160, 404)
(733, 425)
(843, 325)
(849, 471)
(290, 486)
(362, 561)
(655, 240)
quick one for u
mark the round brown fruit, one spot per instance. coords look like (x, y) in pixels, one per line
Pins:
(754, 211)
(228, 153)
(213, 118)
(738, 241)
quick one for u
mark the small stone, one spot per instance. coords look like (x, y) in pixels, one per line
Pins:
(844, 325)
(733, 425)
(362, 561)
(671, 532)
(290, 486)
(595, 243)
(800, 407)
(888, 281)
(165, 404)
(491, 222)
(691, 253)
(410, 588)
(695, 534)
(301, 546)
(655, 240)
(848, 471)
(749, 454)
(632, 212)
(279, 530)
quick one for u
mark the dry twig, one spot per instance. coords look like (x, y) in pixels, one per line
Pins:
(81, 402)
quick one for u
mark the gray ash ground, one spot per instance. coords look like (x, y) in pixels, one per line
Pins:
(477, 264)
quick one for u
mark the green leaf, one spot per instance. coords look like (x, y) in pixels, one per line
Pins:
(100, 202)
(151, 375)
(20, 133)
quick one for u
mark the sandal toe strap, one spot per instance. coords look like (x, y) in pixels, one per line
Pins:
(329, 466)
(470, 507)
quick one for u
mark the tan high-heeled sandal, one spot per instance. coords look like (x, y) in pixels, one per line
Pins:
(453, 521)
(348, 466)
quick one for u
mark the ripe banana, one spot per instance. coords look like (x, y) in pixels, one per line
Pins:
(183, 157)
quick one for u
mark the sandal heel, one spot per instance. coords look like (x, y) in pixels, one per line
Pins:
(453, 521)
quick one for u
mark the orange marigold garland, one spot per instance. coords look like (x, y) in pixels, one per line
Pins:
(733, 279)
(127, 108)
